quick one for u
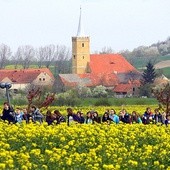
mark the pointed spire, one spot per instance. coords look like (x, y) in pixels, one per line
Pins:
(80, 31)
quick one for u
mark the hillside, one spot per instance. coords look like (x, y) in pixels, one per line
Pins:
(162, 64)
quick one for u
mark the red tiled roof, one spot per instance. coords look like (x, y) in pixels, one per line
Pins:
(109, 63)
(89, 80)
(98, 79)
(125, 87)
(23, 75)
(105, 69)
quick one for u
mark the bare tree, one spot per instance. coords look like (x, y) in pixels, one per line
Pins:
(107, 50)
(17, 58)
(61, 58)
(49, 55)
(5, 53)
(27, 54)
(162, 94)
(40, 56)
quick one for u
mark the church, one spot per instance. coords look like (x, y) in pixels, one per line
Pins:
(110, 70)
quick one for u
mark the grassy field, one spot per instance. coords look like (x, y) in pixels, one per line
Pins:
(141, 62)
(121, 101)
(112, 101)
(166, 71)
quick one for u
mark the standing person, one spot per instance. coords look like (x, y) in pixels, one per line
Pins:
(49, 118)
(113, 116)
(8, 113)
(26, 115)
(163, 117)
(167, 121)
(157, 116)
(81, 117)
(147, 116)
(58, 117)
(96, 118)
(36, 115)
(135, 118)
(124, 116)
(71, 117)
(106, 118)
(18, 115)
(88, 118)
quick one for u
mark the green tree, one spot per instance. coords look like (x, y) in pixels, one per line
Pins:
(146, 90)
(149, 74)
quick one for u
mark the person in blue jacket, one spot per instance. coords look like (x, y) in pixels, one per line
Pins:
(113, 116)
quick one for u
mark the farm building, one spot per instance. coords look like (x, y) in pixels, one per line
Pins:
(21, 78)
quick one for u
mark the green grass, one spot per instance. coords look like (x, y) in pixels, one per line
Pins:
(142, 61)
(31, 66)
(122, 101)
(113, 101)
(166, 71)
(11, 66)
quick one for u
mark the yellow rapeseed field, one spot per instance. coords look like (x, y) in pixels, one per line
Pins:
(80, 146)
(140, 109)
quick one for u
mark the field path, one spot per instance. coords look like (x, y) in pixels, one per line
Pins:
(162, 64)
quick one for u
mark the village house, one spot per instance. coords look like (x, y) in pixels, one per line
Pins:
(21, 78)
(110, 70)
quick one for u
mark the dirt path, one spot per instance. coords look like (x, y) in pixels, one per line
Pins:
(162, 64)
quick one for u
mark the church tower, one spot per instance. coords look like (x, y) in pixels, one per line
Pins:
(80, 51)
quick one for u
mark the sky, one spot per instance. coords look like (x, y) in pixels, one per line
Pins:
(119, 24)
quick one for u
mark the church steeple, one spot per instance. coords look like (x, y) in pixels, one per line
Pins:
(80, 31)
(80, 50)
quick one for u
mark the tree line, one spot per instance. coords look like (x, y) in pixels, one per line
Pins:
(50, 55)
(60, 56)
(161, 48)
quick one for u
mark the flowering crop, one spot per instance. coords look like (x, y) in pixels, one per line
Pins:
(101, 109)
(80, 146)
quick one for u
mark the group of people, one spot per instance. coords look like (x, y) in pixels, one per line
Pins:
(19, 115)
(110, 116)
(91, 117)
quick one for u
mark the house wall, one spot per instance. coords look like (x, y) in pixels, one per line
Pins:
(130, 93)
(80, 54)
(43, 79)
(19, 86)
(6, 79)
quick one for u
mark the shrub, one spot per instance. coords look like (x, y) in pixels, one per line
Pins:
(102, 102)
(99, 91)
(68, 98)
(84, 91)
(120, 102)
(19, 101)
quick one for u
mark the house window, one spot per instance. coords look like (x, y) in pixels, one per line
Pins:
(82, 44)
(39, 79)
(43, 79)
(133, 89)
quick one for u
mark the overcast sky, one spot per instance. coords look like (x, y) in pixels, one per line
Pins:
(120, 24)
